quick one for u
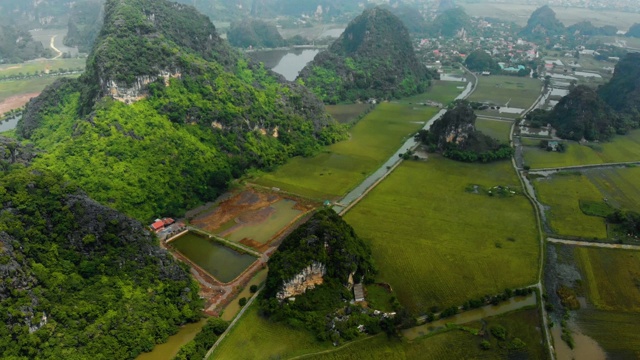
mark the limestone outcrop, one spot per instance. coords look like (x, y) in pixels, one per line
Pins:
(307, 279)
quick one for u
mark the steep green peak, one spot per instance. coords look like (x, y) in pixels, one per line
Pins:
(543, 23)
(373, 58)
(374, 28)
(150, 38)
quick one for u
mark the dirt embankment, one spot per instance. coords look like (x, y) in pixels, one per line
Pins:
(15, 102)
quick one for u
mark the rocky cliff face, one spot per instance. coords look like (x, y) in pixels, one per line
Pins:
(130, 93)
(307, 279)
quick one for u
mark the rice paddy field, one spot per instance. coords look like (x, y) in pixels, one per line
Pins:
(30, 67)
(255, 337)
(612, 286)
(624, 148)
(419, 252)
(495, 128)
(501, 90)
(346, 113)
(562, 194)
(443, 92)
(29, 86)
(342, 166)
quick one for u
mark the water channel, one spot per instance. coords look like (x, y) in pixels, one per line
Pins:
(170, 348)
(471, 316)
(9, 124)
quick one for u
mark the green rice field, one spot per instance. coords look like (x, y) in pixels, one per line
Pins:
(40, 65)
(18, 87)
(443, 92)
(255, 337)
(346, 113)
(342, 166)
(611, 278)
(563, 193)
(419, 252)
(625, 148)
(496, 129)
(501, 90)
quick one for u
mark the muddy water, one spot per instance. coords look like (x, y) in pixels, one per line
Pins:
(9, 124)
(471, 316)
(169, 349)
(585, 347)
(223, 263)
(282, 213)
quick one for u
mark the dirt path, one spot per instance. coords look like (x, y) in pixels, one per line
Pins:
(584, 167)
(593, 244)
(16, 101)
(53, 46)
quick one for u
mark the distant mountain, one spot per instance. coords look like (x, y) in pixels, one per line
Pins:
(622, 92)
(542, 24)
(85, 23)
(584, 115)
(167, 113)
(450, 22)
(586, 28)
(255, 33)
(634, 31)
(410, 17)
(373, 58)
(17, 45)
(35, 14)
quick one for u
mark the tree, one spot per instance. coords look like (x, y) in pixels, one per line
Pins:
(253, 289)
(243, 301)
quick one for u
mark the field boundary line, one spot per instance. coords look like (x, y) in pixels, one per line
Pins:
(226, 242)
(541, 237)
(336, 348)
(593, 244)
(233, 323)
(584, 167)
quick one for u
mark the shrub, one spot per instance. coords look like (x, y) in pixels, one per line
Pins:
(499, 332)
(253, 289)
(485, 345)
(243, 301)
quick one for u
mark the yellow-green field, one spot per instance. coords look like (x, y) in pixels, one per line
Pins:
(624, 148)
(620, 186)
(40, 66)
(611, 281)
(340, 167)
(443, 92)
(496, 129)
(255, 337)
(422, 225)
(611, 278)
(563, 194)
(18, 87)
(516, 91)
(346, 113)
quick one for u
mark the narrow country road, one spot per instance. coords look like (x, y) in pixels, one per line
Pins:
(53, 46)
(583, 167)
(593, 244)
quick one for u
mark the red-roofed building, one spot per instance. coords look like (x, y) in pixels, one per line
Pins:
(160, 224)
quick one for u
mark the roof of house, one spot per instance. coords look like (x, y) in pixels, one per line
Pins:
(157, 225)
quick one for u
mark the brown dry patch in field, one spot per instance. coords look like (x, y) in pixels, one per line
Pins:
(16, 101)
(240, 204)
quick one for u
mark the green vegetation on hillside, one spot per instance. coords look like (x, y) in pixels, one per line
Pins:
(254, 33)
(452, 221)
(455, 136)
(185, 138)
(373, 58)
(85, 22)
(324, 240)
(80, 280)
(634, 31)
(17, 45)
(449, 23)
(542, 24)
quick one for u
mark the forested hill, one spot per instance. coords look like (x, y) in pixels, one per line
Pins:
(622, 92)
(255, 33)
(85, 23)
(373, 58)
(167, 113)
(17, 45)
(77, 279)
(542, 24)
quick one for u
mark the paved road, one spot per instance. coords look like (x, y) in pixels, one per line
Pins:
(584, 167)
(370, 182)
(593, 244)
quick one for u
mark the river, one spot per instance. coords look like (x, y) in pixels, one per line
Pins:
(287, 63)
(169, 349)
(471, 316)
(9, 124)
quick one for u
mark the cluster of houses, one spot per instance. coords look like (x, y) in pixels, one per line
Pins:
(166, 227)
